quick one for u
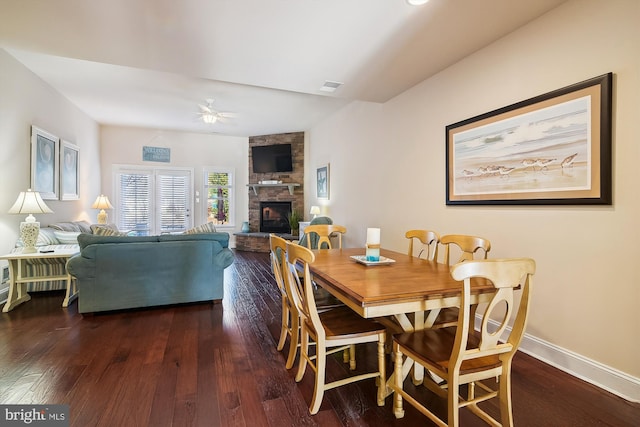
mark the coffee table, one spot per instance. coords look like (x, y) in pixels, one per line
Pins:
(18, 281)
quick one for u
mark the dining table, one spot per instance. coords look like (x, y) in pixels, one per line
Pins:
(410, 289)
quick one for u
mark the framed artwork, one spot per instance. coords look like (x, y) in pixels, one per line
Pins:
(322, 182)
(44, 163)
(554, 149)
(69, 162)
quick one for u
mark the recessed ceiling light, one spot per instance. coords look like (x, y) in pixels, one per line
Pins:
(416, 2)
(330, 86)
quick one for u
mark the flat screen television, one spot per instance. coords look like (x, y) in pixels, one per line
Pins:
(272, 158)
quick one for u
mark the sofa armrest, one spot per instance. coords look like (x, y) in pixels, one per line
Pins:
(223, 259)
(78, 266)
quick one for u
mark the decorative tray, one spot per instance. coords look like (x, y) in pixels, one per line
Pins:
(362, 259)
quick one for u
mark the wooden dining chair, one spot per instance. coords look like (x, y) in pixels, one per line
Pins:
(331, 331)
(290, 323)
(463, 358)
(428, 244)
(468, 247)
(318, 235)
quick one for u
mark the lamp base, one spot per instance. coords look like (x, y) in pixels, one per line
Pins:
(29, 231)
(102, 217)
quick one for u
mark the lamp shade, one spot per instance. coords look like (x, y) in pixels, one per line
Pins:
(102, 202)
(29, 202)
(315, 210)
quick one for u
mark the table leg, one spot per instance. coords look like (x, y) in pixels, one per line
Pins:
(17, 291)
(72, 291)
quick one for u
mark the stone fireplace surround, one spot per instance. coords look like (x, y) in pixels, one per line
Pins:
(255, 240)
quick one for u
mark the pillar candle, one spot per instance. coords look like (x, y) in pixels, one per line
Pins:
(373, 236)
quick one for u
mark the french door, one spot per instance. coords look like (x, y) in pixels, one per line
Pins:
(153, 201)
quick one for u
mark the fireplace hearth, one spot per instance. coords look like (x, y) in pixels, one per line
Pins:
(274, 217)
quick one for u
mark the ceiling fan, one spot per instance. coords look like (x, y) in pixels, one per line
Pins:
(209, 115)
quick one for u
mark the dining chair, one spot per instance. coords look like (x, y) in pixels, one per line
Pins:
(428, 240)
(460, 357)
(290, 324)
(318, 235)
(467, 245)
(332, 331)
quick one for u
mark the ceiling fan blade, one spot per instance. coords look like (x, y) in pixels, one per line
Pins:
(205, 108)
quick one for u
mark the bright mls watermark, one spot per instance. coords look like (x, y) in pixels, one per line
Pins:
(34, 415)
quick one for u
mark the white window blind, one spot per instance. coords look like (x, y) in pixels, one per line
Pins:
(173, 202)
(134, 202)
(153, 201)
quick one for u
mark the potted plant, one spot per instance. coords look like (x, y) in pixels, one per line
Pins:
(294, 220)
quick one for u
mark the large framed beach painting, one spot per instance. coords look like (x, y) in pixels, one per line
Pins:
(551, 149)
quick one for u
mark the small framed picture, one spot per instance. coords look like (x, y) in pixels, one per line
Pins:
(69, 162)
(322, 182)
(44, 163)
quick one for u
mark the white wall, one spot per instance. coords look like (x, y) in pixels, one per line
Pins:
(26, 100)
(123, 145)
(388, 170)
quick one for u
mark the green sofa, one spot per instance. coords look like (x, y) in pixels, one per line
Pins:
(121, 272)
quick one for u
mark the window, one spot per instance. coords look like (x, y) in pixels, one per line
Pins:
(218, 186)
(153, 201)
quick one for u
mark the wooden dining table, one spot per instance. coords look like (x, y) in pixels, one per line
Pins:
(408, 285)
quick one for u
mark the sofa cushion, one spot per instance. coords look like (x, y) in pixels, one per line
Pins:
(67, 237)
(222, 238)
(204, 228)
(85, 239)
(81, 226)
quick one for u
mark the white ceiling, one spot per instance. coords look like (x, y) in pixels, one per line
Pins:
(149, 63)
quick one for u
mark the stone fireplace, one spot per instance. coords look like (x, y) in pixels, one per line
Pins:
(257, 239)
(274, 217)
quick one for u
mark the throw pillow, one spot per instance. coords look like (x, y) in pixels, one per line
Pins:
(107, 231)
(67, 237)
(204, 228)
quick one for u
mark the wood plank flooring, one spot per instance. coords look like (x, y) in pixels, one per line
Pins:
(217, 365)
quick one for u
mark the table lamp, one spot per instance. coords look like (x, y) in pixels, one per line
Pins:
(102, 203)
(315, 211)
(29, 202)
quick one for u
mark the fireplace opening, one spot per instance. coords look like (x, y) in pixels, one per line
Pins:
(274, 217)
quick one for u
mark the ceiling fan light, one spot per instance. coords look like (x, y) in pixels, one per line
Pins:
(209, 118)
(417, 2)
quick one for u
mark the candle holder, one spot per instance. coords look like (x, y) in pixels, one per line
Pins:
(373, 252)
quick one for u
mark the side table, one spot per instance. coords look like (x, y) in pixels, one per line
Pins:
(18, 281)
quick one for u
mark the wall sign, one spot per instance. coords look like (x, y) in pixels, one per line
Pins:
(156, 154)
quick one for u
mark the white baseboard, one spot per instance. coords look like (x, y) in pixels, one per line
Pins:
(598, 374)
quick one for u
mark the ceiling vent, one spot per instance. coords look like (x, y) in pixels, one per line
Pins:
(330, 86)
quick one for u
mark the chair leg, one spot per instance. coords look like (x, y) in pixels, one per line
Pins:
(352, 357)
(382, 380)
(453, 401)
(295, 339)
(318, 389)
(285, 326)
(397, 397)
(504, 394)
(304, 353)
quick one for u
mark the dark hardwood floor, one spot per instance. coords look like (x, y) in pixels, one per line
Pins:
(217, 365)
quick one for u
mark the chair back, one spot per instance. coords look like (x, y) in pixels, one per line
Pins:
(428, 244)
(300, 287)
(506, 275)
(320, 233)
(468, 245)
(278, 256)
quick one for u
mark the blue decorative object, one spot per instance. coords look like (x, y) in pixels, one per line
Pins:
(245, 227)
